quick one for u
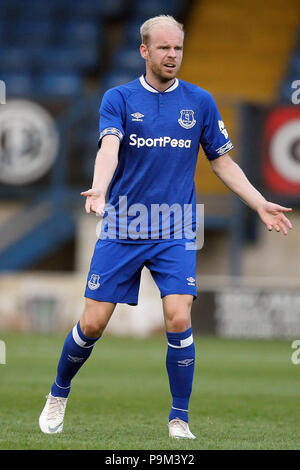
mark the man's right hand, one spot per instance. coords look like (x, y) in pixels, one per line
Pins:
(95, 201)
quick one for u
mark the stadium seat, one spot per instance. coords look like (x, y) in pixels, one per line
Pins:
(157, 7)
(70, 58)
(4, 30)
(112, 9)
(86, 143)
(81, 33)
(297, 40)
(293, 72)
(116, 78)
(26, 32)
(35, 10)
(286, 90)
(17, 84)
(56, 59)
(295, 65)
(9, 9)
(132, 33)
(129, 59)
(83, 10)
(59, 84)
(14, 59)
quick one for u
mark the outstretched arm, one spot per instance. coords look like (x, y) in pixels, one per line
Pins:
(272, 215)
(105, 166)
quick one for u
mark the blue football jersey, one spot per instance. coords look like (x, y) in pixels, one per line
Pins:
(160, 134)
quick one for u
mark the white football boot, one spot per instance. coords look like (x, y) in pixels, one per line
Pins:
(179, 429)
(51, 420)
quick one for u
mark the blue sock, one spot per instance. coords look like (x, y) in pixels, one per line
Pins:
(77, 349)
(180, 366)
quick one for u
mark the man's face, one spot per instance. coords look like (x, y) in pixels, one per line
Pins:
(164, 52)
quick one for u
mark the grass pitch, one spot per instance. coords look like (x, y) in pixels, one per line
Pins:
(245, 395)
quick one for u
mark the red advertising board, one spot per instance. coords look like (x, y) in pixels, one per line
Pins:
(281, 150)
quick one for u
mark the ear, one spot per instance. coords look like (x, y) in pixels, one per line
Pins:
(144, 51)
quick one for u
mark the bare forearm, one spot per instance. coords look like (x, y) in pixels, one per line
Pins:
(235, 179)
(272, 215)
(105, 166)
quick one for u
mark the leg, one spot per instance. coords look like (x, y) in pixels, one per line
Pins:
(177, 312)
(113, 278)
(174, 271)
(95, 317)
(76, 350)
(181, 352)
(79, 344)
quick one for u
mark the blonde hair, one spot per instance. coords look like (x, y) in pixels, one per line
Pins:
(148, 25)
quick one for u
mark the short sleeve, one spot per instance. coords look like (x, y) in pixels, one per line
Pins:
(214, 138)
(111, 115)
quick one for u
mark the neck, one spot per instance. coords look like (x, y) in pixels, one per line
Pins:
(158, 83)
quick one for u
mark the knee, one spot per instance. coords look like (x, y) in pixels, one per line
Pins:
(93, 320)
(91, 327)
(178, 323)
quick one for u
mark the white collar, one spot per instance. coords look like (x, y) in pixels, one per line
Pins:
(153, 90)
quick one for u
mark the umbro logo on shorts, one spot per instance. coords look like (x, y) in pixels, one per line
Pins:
(191, 281)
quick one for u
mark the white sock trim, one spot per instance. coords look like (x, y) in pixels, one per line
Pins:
(184, 343)
(179, 409)
(78, 340)
(61, 386)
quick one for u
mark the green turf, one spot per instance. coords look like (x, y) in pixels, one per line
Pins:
(245, 395)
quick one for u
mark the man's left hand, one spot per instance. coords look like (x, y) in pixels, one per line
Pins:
(273, 215)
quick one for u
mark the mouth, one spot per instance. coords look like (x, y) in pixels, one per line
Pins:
(170, 66)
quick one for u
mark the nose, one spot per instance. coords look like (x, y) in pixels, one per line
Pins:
(172, 52)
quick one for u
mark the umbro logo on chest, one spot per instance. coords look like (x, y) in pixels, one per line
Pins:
(137, 116)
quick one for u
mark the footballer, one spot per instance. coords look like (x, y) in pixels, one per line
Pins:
(150, 133)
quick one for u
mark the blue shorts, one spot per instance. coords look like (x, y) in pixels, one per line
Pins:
(115, 270)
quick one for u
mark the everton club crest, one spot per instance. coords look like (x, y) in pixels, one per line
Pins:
(94, 281)
(187, 119)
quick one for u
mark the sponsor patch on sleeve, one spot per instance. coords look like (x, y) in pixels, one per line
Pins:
(225, 148)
